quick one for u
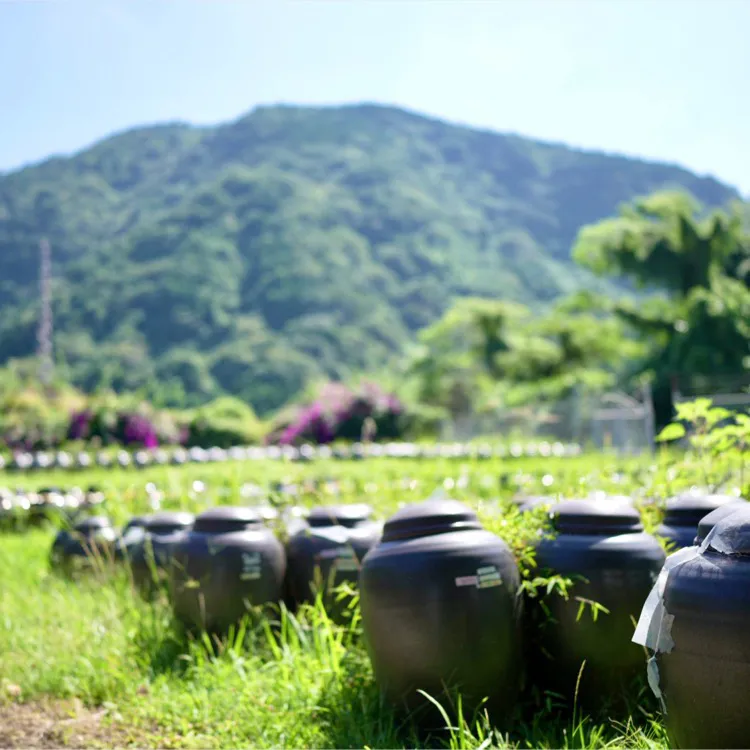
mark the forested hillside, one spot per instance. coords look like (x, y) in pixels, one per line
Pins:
(293, 243)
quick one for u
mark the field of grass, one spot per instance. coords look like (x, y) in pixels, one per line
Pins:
(88, 663)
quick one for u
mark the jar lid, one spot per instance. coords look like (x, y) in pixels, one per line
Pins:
(429, 517)
(267, 512)
(92, 524)
(168, 522)
(528, 502)
(608, 516)
(136, 522)
(711, 519)
(339, 515)
(689, 508)
(731, 534)
(226, 518)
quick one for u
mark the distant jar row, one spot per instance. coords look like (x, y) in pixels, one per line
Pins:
(442, 601)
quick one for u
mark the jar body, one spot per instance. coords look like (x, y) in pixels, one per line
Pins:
(74, 551)
(616, 572)
(680, 536)
(684, 514)
(132, 535)
(323, 558)
(151, 561)
(444, 610)
(216, 577)
(704, 677)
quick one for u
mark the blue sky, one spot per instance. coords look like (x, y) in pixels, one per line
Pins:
(662, 79)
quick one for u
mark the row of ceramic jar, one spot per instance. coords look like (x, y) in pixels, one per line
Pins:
(228, 551)
(177, 456)
(441, 599)
(23, 508)
(681, 518)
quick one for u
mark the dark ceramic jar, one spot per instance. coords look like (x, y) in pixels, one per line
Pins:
(132, 533)
(83, 460)
(327, 551)
(704, 669)
(16, 510)
(294, 519)
(48, 505)
(90, 542)
(9, 514)
(709, 521)
(136, 522)
(268, 514)
(529, 503)
(150, 557)
(441, 608)
(601, 546)
(228, 562)
(684, 512)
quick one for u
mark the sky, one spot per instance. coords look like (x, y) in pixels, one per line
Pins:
(660, 79)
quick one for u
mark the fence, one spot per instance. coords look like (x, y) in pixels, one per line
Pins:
(729, 391)
(615, 421)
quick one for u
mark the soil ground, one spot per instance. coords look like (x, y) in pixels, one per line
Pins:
(59, 724)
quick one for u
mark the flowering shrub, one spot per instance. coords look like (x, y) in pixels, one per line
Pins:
(340, 413)
(80, 425)
(124, 428)
(136, 429)
(32, 418)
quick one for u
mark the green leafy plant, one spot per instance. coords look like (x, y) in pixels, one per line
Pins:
(715, 435)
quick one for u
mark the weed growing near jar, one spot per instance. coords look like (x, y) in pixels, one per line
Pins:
(299, 682)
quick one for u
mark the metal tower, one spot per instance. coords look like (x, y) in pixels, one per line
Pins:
(44, 332)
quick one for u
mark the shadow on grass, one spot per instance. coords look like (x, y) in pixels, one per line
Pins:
(353, 713)
(162, 645)
(630, 718)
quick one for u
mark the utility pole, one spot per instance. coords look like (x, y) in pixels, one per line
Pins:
(44, 332)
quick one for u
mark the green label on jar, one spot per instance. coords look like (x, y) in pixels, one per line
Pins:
(251, 566)
(485, 578)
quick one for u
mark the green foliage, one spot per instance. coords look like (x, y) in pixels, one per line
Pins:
(497, 353)
(225, 422)
(30, 415)
(714, 435)
(292, 245)
(698, 322)
(662, 242)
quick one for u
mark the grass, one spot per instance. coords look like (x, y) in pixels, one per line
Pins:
(305, 682)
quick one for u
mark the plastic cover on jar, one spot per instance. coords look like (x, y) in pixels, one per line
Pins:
(654, 628)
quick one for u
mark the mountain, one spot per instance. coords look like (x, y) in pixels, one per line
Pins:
(295, 242)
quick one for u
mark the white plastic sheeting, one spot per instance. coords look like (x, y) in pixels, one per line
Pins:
(654, 629)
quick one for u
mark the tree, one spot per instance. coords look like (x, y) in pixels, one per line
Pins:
(489, 351)
(662, 242)
(697, 322)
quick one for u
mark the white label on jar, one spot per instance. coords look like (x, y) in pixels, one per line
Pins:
(344, 564)
(251, 566)
(342, 559)
(336, 552)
